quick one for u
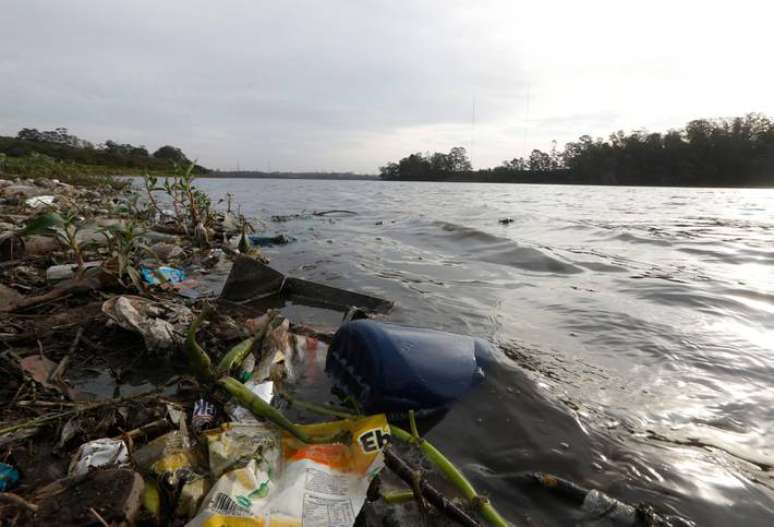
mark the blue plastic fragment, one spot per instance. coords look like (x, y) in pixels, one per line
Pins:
(170, 274)
(391, 368)
(9, 477)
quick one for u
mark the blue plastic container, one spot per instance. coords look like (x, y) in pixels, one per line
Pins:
(9, 477)
(392, 369)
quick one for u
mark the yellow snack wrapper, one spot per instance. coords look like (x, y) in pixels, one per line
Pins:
(289, 483)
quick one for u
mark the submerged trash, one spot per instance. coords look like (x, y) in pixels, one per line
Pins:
(100, 453)
(170, 275)
(506, 221)
(603, 508)
(391, 368)
(250, 279)
(163, 325)
(268, 241)
(9, 477)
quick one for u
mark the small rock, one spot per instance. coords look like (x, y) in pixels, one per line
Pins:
(18, 193)
(91, 234)
(40, 245)
(155, 236)
(166, 251)
(506, 221)
(57, 273)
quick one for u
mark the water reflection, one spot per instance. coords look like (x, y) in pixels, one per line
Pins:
(638, 325)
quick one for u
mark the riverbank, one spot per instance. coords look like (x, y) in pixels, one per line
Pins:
(94, 326)
(111, 336)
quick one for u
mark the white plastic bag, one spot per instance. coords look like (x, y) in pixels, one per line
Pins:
(100, 453)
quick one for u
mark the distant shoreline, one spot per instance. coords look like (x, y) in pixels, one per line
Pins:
(567, 183)
(291, 175)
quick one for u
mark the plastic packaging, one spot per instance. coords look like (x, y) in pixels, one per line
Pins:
(40, 201)
(100, 453)
(163, 325)
(170, 457)
(169, 274)
(234, 444)
(391, 368)
(286, 482)
(191, 496)
(203, 414)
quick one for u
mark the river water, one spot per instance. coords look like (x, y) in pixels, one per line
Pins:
(636, 327)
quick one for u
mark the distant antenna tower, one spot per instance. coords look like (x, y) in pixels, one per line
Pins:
(526, 118)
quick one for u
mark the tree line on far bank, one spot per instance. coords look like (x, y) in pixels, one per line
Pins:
(706, 152)
(60, 145)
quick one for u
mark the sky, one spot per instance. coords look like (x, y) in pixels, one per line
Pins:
(352, 85)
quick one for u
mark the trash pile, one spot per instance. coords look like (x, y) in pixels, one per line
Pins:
(141, 386)
(113, 412)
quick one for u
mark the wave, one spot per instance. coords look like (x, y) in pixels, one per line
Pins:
(482, 246)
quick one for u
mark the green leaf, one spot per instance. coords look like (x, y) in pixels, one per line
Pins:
(42, 224)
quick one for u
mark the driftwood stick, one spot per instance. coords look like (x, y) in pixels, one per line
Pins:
(58, 372)
(148, 428)
(14, 499)
(433, 496)
(38, 421)
(100, 519)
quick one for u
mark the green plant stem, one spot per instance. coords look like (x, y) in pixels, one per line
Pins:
(200, 361)
(261, 408)
(400, 496)
(413, 425)
(235, 356)
(151, 199)
(452, 473)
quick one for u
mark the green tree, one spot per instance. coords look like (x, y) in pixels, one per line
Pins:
(171, 153)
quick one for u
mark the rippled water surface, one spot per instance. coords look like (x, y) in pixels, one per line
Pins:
(637, 327)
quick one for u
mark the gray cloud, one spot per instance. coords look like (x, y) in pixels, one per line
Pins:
(328, 85)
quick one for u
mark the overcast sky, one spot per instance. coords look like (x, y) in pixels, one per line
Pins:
(351, 85)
